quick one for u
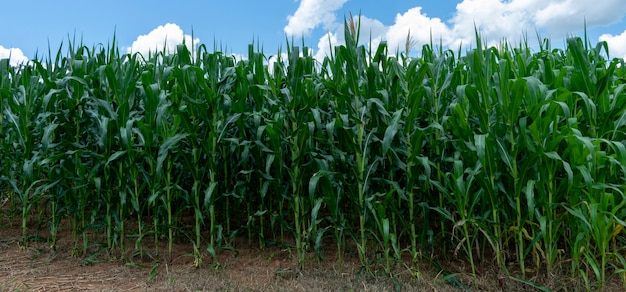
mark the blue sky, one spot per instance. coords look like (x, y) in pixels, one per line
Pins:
(28, 26)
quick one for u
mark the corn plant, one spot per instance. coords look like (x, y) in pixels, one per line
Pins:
(492, 154)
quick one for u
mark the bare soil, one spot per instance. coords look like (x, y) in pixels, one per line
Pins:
(35, 266)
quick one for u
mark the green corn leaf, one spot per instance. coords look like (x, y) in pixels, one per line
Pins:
(391, 131)
(209, 194)
(169, 145)
(115, 156)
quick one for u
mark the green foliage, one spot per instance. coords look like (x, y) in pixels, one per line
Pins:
(499, 152)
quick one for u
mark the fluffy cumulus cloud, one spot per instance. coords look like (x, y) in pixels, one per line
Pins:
(312, 13)
(564, 16)
(326, 43)
(421, 28)
(495, 19)
(166, 36)
(509, 19)
(15, 55)
(372, 30)
(617, 44)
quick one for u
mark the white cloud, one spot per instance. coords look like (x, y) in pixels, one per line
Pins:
(310, 14)
(15, 55)
(273, 59)
(371, 30)
(569, 15)
(495, 19)
(326, 44)
(420, 26)
(169, 36)
(617, 44)
(371, 33)
(498, 19)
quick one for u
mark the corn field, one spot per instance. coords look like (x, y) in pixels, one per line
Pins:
(499, 154)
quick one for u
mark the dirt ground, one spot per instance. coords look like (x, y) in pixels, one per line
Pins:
(39, 268)
(36, 267)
